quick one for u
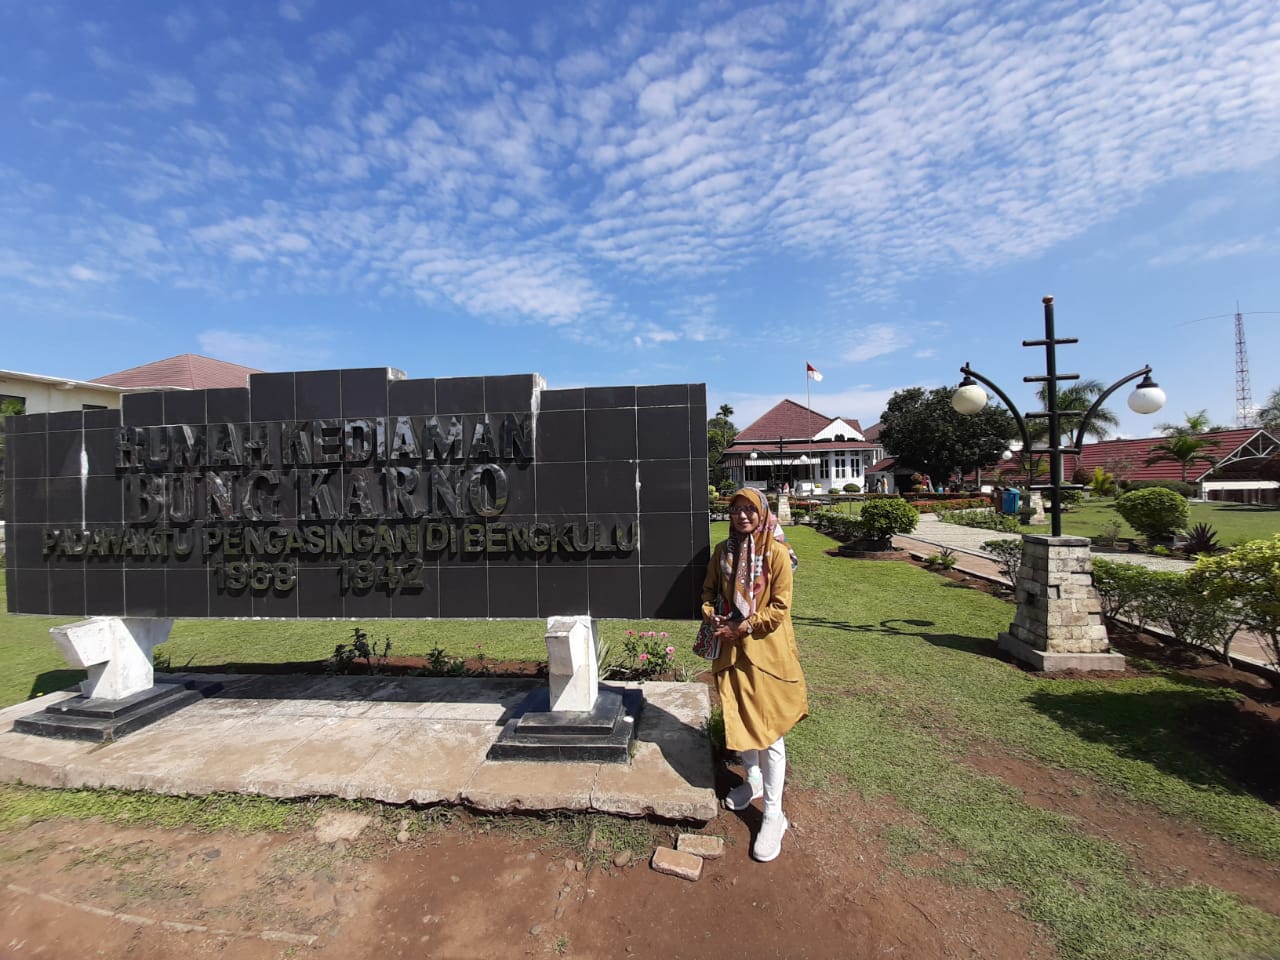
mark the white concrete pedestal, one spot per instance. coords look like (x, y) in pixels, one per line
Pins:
(571, 659)
(116, 651)
(1059, 624)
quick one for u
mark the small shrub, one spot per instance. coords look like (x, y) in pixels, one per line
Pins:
(1156, 512)
(943, 507)
(441, 664)
(648, 654)
(1247, 576)
(1201, 539)
(852, 488)
(1175, 603)
(1008, 554)
(345, 655)
(838, 525)
(983, 518)
(1110, 533)
(881, 519)
(1124, 589)
(1185, 490)
(1100, 483)
(944, 559)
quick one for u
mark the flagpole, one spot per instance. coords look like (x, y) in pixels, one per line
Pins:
(808, 408)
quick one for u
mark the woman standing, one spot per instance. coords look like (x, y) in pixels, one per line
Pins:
(757, 673)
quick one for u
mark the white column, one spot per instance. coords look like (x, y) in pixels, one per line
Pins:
(571, 656)
(116, 652)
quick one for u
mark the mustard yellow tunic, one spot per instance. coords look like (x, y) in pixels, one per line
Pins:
(761, 686)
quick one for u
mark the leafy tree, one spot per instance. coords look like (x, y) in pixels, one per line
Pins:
(1155, 512)
(1269, 412)
(925, 433)
(720, 433)
(1181, 448)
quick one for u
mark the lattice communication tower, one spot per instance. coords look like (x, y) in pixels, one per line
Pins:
(1244, 395)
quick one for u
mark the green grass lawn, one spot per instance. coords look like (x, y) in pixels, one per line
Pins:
(36, 667)
(1233, 522)
(903, 689)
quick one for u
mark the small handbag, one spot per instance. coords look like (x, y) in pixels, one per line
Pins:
(707, 644)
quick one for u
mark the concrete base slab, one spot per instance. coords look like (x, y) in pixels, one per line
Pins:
(1048, 662)
(395, 739)
(99, 720)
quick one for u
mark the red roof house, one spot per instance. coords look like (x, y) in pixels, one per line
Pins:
(188, 371)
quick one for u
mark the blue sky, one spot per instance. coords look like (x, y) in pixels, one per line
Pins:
(648, 193)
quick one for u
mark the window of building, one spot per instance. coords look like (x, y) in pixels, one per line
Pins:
(93, 406)
(824, 469)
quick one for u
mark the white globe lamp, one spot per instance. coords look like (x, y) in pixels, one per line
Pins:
(1147, 397)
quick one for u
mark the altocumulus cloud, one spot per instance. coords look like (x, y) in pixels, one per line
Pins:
(554, 176)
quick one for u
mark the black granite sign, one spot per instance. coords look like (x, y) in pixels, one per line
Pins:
(355, 493)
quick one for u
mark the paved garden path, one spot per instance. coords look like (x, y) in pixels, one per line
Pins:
(970, 540)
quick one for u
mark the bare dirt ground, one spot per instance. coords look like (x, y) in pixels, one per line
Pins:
(84, 889)
(73, 889)
(471, 888)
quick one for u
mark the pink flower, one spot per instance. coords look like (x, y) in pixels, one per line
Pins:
(671, 651)
(644, 656)
(663, 635)
(631, 633)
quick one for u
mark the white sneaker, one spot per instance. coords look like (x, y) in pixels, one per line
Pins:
(740, 797)
(769, 840)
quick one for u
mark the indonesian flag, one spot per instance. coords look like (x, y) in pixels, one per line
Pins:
(812, 372)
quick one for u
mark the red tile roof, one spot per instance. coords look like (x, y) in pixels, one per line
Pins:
(1127, 459)
(790, 421)
(189, 370)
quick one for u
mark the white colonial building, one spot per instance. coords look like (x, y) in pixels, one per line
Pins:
(805, 450)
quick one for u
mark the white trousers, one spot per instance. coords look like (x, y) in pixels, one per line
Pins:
(771, 764)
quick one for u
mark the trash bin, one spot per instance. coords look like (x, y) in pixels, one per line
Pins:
(1011, 499)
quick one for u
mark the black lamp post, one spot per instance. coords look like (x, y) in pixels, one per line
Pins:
(969, 398)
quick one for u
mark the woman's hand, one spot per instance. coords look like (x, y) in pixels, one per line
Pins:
(727, 630)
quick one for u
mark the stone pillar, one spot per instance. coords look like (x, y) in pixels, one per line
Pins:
(571, 658)
(1033, 509)
(115, 650)
(784, 508)
(1059, 624)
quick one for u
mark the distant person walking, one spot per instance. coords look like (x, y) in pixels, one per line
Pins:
(757, 673)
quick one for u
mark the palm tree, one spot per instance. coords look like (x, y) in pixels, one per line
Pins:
(1193, 423)
(1077, 398)
(1181, 448)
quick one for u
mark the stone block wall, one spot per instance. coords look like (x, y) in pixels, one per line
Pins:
(1058, 608)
